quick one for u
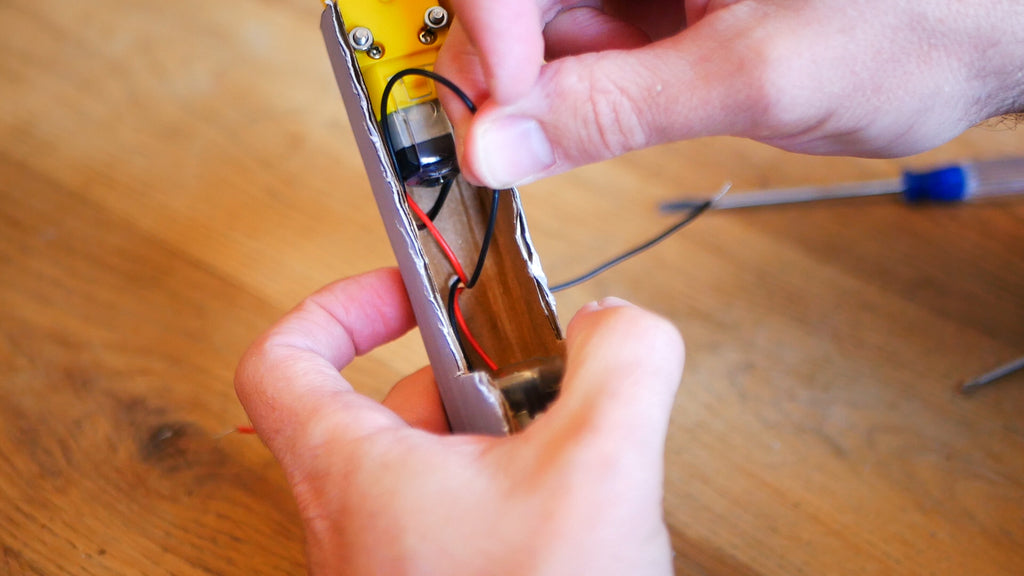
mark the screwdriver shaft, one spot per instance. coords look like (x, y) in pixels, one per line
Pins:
(992, 376)
(794, 195)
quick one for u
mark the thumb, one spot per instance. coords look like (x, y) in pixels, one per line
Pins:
(623, 368)
(598, 105)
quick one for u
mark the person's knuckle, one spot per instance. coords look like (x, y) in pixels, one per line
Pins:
(781, 86)
(249, 366)
(616, 119)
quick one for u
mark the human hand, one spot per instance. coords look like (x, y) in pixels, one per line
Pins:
(870, 78)
(383, 489)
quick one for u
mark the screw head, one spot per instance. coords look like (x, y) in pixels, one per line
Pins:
(360, 38)
(376, 52)
(427, 36)
(436, 17)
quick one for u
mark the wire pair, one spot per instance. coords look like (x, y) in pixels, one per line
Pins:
(461, 282)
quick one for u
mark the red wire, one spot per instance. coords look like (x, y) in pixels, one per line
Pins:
(469, 335)
(245, 429)
(459, 318)
(437, 236)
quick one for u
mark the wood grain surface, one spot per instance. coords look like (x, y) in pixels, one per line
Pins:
(175, 175)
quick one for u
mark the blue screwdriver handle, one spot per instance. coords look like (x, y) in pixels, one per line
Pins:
(966, 181)
(954, 183)
(948, 184)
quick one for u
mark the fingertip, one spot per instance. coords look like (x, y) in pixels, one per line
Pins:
(509, 40)
(290, 374)
(584, 317)
(623, 368)
(364, 311)
(506, 150)
(602, 304)
(626, 337)
(598, 105)
(417, 401)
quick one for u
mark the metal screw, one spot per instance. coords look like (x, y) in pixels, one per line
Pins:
(427, 36)
(436, 17)
(361, 38)
(376, 52)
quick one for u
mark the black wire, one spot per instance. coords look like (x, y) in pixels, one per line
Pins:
(446, 185)
(442, 196)
(488, 234)
(385, 128)
(690, 217)
(451, 310)
(426, 74)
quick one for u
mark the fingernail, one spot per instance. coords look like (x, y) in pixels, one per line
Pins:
(605, 303)
(613, 302)
(512, 150)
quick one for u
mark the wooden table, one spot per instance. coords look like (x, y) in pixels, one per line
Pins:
(175, 175)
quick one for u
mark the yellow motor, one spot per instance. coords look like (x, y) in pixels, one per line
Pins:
(390, 36)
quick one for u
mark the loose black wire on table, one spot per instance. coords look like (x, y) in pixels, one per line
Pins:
(690, 217)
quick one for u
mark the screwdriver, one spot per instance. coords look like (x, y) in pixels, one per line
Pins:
(959, 182)
(993, 375)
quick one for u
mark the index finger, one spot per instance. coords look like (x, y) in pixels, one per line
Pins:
(508, 39)
(289, 381)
